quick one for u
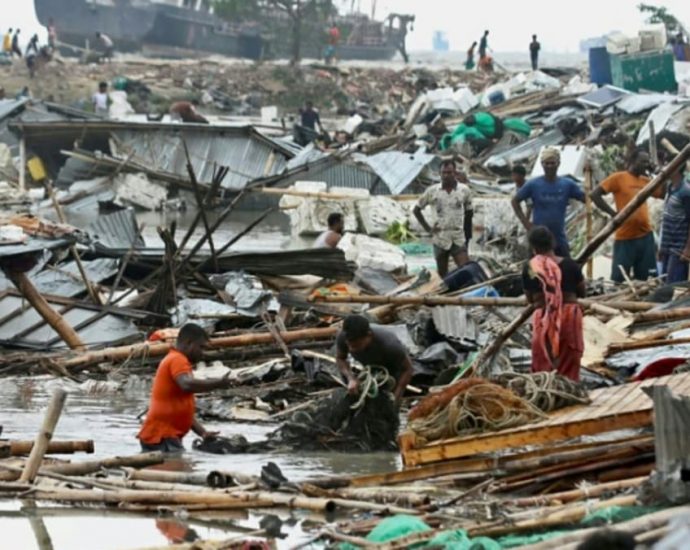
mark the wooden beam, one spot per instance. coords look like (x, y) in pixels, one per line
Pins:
(489, 442)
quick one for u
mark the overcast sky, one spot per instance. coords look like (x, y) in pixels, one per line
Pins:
(560, 24)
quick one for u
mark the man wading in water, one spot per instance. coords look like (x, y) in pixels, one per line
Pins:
(171, 411)
(372, 346)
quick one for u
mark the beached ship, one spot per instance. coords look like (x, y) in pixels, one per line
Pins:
(184, 26)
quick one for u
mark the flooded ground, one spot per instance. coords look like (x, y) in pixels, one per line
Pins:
(110, 420)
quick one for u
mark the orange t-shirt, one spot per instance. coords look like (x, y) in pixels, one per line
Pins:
(624, 187)
(171, 411)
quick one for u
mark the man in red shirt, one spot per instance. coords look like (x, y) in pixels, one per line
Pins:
(171, 411)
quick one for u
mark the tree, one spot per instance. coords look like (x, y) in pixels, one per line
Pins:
(237, 9)
(658, 14)
(297, 11)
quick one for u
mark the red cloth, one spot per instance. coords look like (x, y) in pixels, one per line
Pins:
(570, 343)
(546, 332)
(333, 36)
(557, 339)
(171, 410)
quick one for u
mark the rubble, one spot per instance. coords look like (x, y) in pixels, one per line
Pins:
(89, 303)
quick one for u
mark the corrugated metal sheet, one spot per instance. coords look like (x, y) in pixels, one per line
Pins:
(524, 151)
(65, 280)
(397, 170)
(22, 326)
(454, 323)
(9, 106)
(34, 245)
(116, 231)
(248, 154)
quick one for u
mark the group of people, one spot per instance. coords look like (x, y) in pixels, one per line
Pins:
(552, 281)
(486, 62)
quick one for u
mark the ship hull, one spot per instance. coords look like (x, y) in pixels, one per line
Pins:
(131, 27)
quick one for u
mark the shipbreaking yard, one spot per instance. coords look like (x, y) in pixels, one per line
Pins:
(115, 231)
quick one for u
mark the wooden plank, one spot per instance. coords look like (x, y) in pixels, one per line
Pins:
(481, 464)
(537, 435)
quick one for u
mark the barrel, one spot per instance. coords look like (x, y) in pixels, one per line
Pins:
(599, 66)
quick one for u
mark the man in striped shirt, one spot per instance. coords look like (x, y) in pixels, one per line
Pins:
(674, 250)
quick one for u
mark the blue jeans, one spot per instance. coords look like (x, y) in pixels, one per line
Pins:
(675, 269)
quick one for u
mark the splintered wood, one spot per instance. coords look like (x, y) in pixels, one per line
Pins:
(616, 408)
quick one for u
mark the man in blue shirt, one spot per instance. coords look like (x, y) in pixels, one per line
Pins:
(550, 195)
(674, 249)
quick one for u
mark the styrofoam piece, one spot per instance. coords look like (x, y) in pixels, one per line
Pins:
(138, 190)
(309, 216)
(352, 123)
(269, 114)
(370, 252)
(653, 37)
(573, 160)
(378, 213)
(119, 106)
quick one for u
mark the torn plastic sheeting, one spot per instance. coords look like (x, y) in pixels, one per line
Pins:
(662, 118)
(524, 151)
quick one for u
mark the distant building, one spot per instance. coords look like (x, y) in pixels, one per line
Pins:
(440, 42)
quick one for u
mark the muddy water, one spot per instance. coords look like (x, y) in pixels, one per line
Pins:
(110, 420)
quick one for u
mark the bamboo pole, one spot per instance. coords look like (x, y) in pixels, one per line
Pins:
(44, 309)
(586, 492)
(618, 347)
(22, 164)
(633, 205)
(489, 351)
(665, 315)
(551, 519)
(92, 466)
(588, 209)
(653, 153)
(21, 448)
(93, 294)
(44, 436)
(635, 526)
(431, 300)
(162, 476)
(157, 349)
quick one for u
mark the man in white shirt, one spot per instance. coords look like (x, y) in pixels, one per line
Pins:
(107, 44)
(101, 100)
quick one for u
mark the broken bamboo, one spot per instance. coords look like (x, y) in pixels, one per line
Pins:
(149, 349)
(583, 493)
(665, 315)
(44, 436)
(633, 205)
(21, 448)
(618, 347)
(45, 310)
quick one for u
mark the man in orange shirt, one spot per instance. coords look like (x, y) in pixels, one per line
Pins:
(171, 411)
(634, 250)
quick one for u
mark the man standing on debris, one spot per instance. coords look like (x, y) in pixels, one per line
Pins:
(309, 117)
(634, 247)
(372, 346)
(171, 412)
(469, 63)
(674, 249)
(550, 195)
(101, 100)
(483, 45)
(186, 112)
(7, 43)
(534, 48)
(107, 44)
(331, 237)
(554, 284)
(16, 50)
(452, 231)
